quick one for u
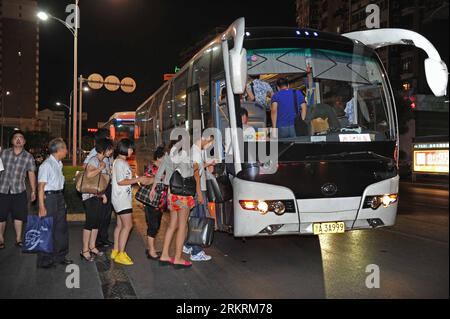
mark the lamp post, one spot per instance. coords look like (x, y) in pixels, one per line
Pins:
(74, 30)
(2, 98)
(80, 122)
(69, 107)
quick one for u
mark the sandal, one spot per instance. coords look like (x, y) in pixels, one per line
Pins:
(83, 257)
(165, 263)
(2, 245)
(185, 265)
(19, 244)
(147, 253)
(99, 254)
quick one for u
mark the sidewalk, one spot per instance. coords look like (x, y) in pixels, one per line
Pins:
(19, 277)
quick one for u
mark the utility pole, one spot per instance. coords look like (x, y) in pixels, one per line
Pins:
(75, 85)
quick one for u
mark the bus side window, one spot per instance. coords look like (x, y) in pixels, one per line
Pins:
(200, 90)
(180, 96)
(194, 106)
(167, 108)
(149, 122)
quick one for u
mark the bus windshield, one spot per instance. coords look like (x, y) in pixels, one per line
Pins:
(346, 93)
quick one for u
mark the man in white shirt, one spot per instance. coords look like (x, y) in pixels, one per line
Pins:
(52, 204)
(198, 155)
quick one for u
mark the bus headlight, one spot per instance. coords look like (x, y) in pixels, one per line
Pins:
(279, 208)
(260, 206)
(388, 200)
(263, 207)
(375, 202)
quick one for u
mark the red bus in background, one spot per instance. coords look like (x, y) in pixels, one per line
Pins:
(123, 125)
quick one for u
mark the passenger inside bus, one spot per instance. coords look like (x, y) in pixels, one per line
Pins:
(322, 118)
(283, 111)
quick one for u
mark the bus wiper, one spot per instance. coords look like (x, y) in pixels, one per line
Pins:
(346, 154)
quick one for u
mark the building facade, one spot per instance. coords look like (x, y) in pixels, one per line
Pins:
(19, 57)
(53, 122)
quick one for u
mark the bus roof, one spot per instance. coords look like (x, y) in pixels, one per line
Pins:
(123, 116)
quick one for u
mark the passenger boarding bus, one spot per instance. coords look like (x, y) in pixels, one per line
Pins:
(340, 176)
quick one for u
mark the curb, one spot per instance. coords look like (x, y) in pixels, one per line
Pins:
(80, 217)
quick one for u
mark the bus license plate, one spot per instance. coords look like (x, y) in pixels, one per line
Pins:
(329, 228)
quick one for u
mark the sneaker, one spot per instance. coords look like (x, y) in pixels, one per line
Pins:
(201, 256)
(123, 259)
(114, 254)
(187, 250)
(127, 257)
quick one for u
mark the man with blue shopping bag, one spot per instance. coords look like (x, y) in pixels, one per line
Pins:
(52, 204)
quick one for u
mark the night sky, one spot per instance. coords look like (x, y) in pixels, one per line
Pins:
(138, 38)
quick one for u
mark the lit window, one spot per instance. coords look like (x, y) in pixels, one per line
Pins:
(406, 86)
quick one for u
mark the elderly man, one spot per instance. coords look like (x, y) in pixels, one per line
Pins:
(52, 204)
(17, 163)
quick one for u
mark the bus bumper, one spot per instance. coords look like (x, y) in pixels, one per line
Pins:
(309, 211)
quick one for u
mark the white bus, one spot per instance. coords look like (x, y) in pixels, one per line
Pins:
(339, 178)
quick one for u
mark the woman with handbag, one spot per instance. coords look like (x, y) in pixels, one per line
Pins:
(92, 202)
(153, 212)
(183, 186)
(122, 200)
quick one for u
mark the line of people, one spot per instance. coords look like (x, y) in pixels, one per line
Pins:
(18, 165)
(159, 172)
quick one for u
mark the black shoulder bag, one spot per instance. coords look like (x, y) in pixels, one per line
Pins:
(301, 128)
(182, 186)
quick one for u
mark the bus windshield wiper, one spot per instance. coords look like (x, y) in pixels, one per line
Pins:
(346, 154)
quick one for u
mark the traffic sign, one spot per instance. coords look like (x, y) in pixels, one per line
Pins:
(128, 85)
(112, 83)
(95, 81)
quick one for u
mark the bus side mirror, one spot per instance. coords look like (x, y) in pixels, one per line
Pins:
(238, 66)
(437, 76)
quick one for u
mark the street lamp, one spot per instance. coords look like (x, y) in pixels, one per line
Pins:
(83, 89)
(69, 107)
(43, 16)
(74, 30)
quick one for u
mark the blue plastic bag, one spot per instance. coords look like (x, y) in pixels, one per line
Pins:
(38, 235)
